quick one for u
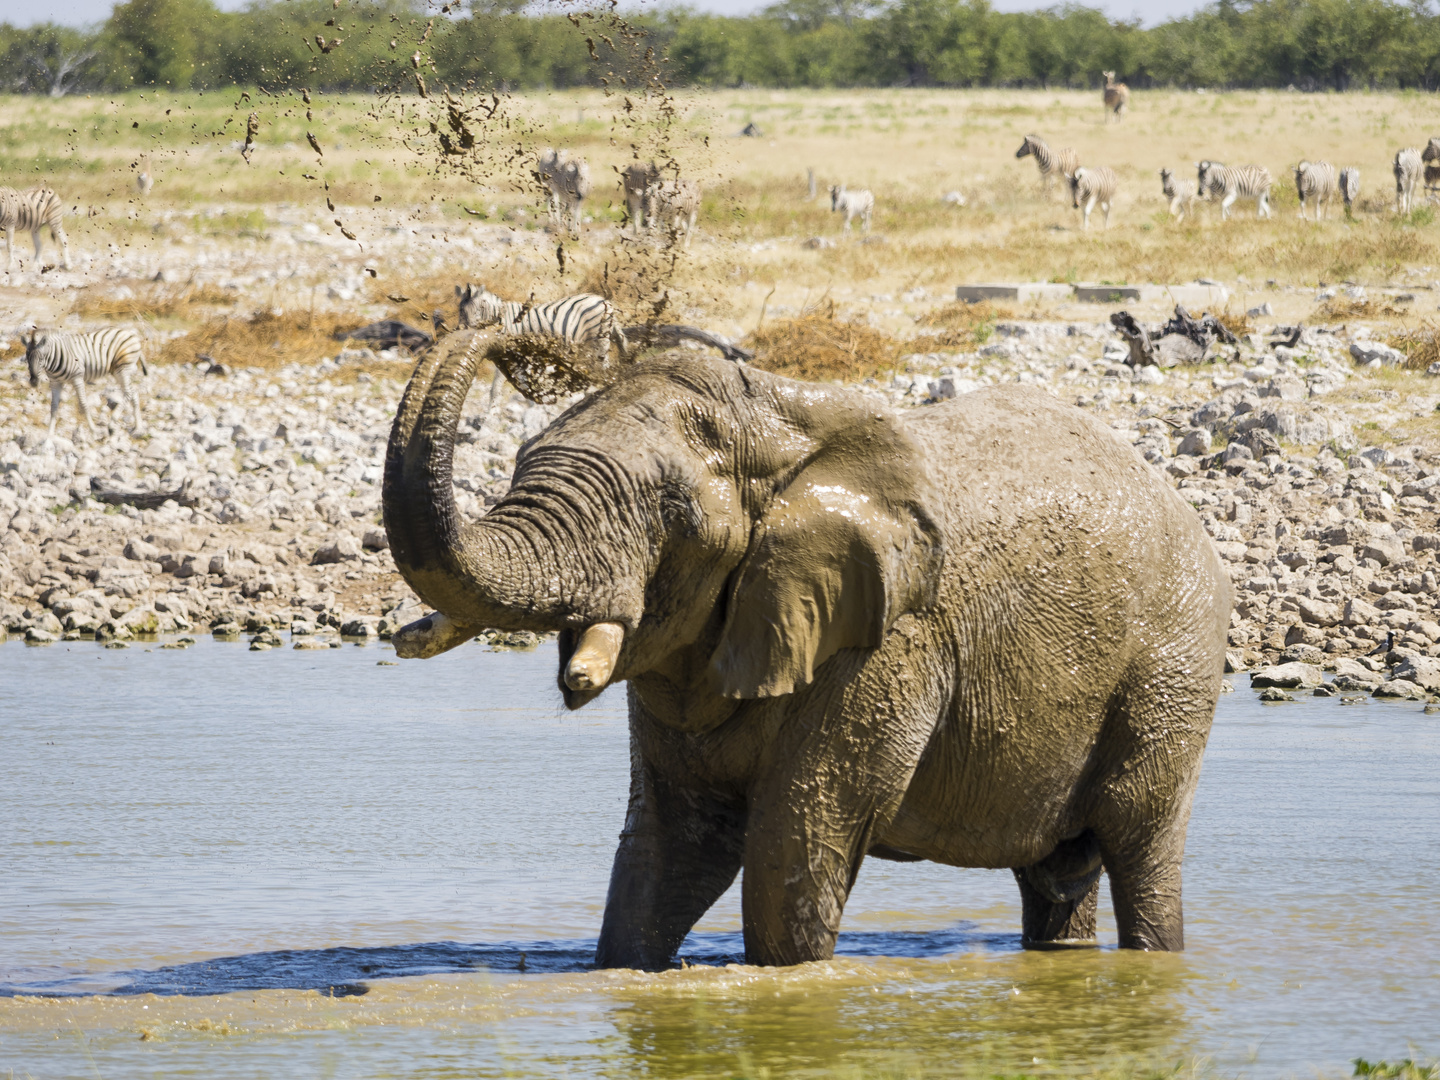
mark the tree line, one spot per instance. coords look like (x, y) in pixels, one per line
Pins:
(363, 45)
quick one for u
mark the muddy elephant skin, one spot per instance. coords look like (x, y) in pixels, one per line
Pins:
(984, 633)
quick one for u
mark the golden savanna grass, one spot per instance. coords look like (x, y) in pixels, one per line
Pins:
(909, 146)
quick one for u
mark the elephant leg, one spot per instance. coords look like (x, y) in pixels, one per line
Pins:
(1059, 895)
(835, 780)
(1145, 888)
(679, 852)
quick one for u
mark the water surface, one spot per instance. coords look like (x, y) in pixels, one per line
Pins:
(226, 863)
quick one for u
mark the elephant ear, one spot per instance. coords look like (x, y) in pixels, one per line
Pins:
(846, 548)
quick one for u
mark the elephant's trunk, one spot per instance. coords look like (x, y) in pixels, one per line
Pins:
(475, 576)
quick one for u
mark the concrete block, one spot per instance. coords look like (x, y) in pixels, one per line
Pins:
(1106, 294)
(1038, 291)
(971, 294)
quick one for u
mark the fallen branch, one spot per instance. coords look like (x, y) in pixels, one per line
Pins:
(390, 334)
(1142, 353)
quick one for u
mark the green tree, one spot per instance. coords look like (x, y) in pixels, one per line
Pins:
(158, 42)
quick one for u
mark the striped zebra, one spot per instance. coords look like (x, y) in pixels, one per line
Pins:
(1407, 169)
(858, 203)
(1091, 185)
(672, 206)
(582, 319)
(1431, 159)
(1061, 162)
(1316, 182)
(1117, 97)
(1231, 182)
(1349, 187)
(1179, 200)
(567, 183)
(32, 210)
(81, 358)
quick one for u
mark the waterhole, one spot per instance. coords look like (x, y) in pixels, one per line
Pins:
(225, 863)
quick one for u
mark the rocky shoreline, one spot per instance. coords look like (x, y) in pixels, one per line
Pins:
(1331, 544)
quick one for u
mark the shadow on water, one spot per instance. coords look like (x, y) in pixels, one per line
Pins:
(343, 971)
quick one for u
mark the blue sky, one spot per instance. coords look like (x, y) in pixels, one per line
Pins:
(82, 12)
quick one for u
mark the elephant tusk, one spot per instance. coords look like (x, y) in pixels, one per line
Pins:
(593, 661)
(430, 636)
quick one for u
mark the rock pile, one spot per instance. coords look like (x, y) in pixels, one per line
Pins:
(1331, 544)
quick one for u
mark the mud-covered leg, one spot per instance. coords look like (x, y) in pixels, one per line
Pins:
(835, 780)
(1059, 894)
(39, 244)
(679, 852)
(1145, 887)
(57, 233)
(9, 248)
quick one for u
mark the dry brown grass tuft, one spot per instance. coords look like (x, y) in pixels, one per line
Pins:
(263, 340)
(962, 326)
(1420, 345)
(1340, 308)
(1237, 323)
(817, 346)
(156, 302)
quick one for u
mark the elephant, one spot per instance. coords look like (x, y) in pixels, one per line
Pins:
(983, 633)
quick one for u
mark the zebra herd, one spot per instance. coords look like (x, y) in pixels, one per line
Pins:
(652, 202)
(1317, 183)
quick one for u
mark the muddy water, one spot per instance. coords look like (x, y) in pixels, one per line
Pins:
(222, 863)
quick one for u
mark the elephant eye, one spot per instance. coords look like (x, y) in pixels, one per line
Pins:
(678, 509)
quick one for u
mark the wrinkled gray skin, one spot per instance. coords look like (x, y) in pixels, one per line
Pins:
(984, 634)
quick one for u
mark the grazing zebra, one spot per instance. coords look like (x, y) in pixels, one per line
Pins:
(1231, 182)
(672, 206)
(81, 358)
(567, 183)
(858, 203)
(143, 180)
(1316, 182)
(1094, 184)
(1407, 169)
(1349, 186)
(636, 179)
(1431, 159)
(32, 210)
(1064, 161)
(1117, 97)
(1179, 200)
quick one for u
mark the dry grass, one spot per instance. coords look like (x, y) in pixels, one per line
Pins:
(1341, 308)
(818, 346)
(262, 340)
(1421, 345)
(962, 326)
(155, 302)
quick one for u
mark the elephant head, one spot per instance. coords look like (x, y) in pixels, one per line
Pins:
(695, 518)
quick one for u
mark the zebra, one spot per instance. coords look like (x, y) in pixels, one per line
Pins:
(1232, 182)
(1407, 169)
(1064, 161)
(1431, 159)
(1091, 185)
(32, 210)
(578, 320)
(144, 181)
(673, 205)
(858, 203)
(1349, 187)
(567, 183)
(1117, 97)
(81, 358)
(636, 180)
(1317, 182)
(1179, 200)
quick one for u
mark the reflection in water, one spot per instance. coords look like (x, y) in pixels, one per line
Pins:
(244, 847)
